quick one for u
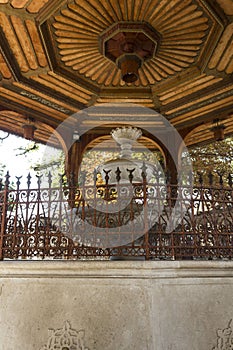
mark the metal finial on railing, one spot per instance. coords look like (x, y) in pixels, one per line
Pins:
(144, 168)
(229, 178)
(211, 178)
(118, 174)
(61, 180)
(29, 180)
(156, 174)
(95, 176)
(64, 179)
(220, 178)
(39, 178)
(7, 180)
(18, 181)
(106, 176)
(200, 178)
(130, 171)
(50, 179)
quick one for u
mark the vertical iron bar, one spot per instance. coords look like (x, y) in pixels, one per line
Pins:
(107, 198)
(4, 214)
(146, 218)
(15, 233)
(38, 204)
(63, 210)
(131, 176)
(118, 191)
(144, 186)
(169, 205)
(95, 199)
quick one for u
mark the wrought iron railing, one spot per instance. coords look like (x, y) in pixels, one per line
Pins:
(156, 220)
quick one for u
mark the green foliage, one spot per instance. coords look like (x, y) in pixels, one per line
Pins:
(3, 177)
(32, 146)
(216, 157)
(53, 163)
(43, 160)
(2, 170)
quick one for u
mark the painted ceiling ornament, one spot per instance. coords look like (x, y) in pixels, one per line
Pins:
(225, 338)
(66, 338)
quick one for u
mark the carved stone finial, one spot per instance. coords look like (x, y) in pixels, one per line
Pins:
(125, 137)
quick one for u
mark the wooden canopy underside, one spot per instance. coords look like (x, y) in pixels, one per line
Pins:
(51, 65)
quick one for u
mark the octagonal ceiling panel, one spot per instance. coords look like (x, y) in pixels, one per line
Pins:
(188, 30)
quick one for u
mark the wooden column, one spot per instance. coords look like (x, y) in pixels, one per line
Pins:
(75, 155)
(171, 168)
(73, 163)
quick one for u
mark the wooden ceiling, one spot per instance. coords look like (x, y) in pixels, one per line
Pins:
(51, 65)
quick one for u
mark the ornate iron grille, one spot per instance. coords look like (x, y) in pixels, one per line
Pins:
(156, 220)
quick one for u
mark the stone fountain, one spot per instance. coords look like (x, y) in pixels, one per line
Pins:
(126, 164)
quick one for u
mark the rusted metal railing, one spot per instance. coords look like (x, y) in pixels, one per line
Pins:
(156, 220)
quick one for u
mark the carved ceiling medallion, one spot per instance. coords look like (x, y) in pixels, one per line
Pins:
(129, 45)
(91, 43)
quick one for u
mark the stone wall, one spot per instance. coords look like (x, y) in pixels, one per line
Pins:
(116, 305)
